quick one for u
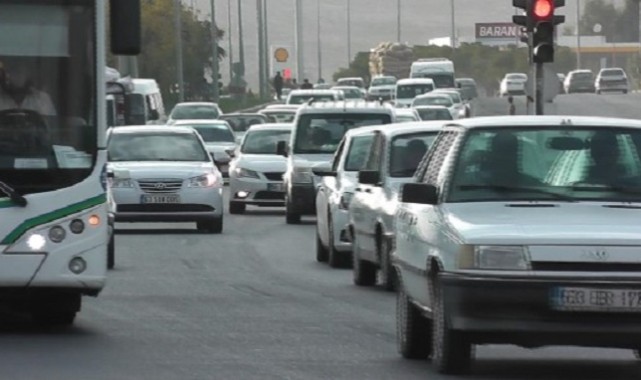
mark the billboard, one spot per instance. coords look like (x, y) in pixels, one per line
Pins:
(498, 32)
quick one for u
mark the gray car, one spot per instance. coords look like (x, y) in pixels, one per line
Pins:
(219, 139)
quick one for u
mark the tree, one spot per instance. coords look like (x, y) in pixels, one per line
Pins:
(158, 58)
(359, 67)
(618, 25)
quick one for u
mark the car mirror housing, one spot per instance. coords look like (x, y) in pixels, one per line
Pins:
(281, 148)
(369, 177)
(419, 193)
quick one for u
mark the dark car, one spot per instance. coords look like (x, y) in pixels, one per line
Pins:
(467, 87)
(579, 81)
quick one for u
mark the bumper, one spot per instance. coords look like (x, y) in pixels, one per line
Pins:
(195, 205)
(612, 87)
(517, 311)
(340, 219)
(587, 89)
(302, 199)
(258, 192)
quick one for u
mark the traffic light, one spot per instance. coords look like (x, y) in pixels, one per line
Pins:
(543, 22)
(524, 19)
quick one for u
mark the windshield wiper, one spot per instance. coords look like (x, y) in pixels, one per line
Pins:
(13, 195)
(516, 189)
(618, 189)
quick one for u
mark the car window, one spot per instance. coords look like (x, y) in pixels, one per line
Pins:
(156, 147)
(358, 152)
(263, 141)
(280, 117)
(383, 81)
(407, 151)
(433, 101)
(410, 91)
(194, 112)
(612, 73)
(434, 114)
(241, 123)
(576, 163)
(516, 76)
(212, 133)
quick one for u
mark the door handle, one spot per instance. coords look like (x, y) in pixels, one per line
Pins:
(368, 190)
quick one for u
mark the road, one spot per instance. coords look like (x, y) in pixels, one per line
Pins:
(253, 304)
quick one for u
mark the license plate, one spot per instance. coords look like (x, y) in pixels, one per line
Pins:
(596, 299)
(160, 199)
(279, 187)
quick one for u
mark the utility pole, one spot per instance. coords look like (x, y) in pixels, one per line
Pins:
(300, 69)
(318, 40)
(230, 51)
(214, 59)
(453, 36)
(398, 21)
(349, 32)
(266, 53)
(241, 42)
(261, 46)
(179, 50)
(578, 34)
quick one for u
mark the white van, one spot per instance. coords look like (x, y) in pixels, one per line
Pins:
(407, 89)
(145, 103)
(441, 70)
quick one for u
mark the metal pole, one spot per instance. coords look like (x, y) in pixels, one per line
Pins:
(349, 32)
(261, 56)
(578, 34)
(539, 89)
(230, 49)
(453, 37)
(300, 69)
(214, 59)
(318, 42)
(398, 21)
(241, 42)
(179, 50)
(266, 53)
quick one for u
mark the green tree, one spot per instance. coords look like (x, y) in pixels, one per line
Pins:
(359, 67)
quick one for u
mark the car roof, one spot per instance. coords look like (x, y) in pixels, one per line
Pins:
(468, 80)
(433, 95)
(346, 88)
(347, 106)
(434, 106)
(200, 121)
(414, 81)
(392, 130)
(519, 74)
(242, 114)
(151, 129)
(282, 106)
(543, 121)
(278, 110)
(271, 127)
(404, 111)
(196, 104)
(349, 78)
(312, 92)
(581, 71)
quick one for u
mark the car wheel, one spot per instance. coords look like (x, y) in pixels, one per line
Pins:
(321, 251)
(335, 259)
(54, 318)
(451, 351)
(364, 271)
(213, 226)
(388, 273)
(290, 216)
(236, 207)
(111, 252)
(413, 330)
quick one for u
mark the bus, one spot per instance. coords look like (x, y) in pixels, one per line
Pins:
(54, 231)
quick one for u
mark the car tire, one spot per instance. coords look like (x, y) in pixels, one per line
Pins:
(364, 272)
(236, 208)
(451, 351)
(413, 330)
(334, 258)
(389, 279)
(291, 217)
(214, 226)
(111, 252)
(321, 251)
(54, 318)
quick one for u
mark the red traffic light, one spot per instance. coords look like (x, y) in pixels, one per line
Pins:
(543, 9)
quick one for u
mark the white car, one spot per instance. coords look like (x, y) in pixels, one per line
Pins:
(612, 79)
(219, 138)
(406, 115)
(382, 87)
(334, 194)
(353, 81)
(431, 99)
(256, 172)
(298, 97)
(427, 113)
(513, 84)
(521, 230)
(408, 89)
(194, 110)
(279, 115)
(164, 174)
(372, 209)
(350, 92)
(459, 106)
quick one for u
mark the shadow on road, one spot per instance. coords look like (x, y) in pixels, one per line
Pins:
(556, 369)
(159, 231)
(264, 212)
(12, 323)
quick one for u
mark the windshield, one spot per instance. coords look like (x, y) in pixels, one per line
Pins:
(185, 112)
(433, 101)
(321, 133)
(213, 133)
(434, 114)
(407, 151)
(384, 81)
(263, 141)
(549, 163)
(410, 91)
(300, 99)
(48, 131)
(156, 147)
(241, 123)
(280, 116)
(358, 152)
(440, 80)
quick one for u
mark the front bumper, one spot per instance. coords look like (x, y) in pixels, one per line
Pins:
(258, 192)
(302, 199)
(506, 310)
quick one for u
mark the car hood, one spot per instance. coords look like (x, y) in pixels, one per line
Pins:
(519, 223)
(262, 162)
(160, 169)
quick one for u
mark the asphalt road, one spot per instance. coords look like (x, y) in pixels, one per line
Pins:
(252, 303)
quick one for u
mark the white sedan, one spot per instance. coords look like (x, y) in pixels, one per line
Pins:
(513, 84)
(256, 172)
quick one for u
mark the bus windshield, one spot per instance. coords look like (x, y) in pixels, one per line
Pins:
(48, 135)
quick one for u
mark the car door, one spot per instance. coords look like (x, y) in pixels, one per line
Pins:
(366, 221)
(419, 227)
(325, 190)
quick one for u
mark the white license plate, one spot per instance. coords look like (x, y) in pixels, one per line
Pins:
(160, 199)
(596, 299)
(275, 187)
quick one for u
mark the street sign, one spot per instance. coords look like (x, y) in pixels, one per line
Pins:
(498, 32)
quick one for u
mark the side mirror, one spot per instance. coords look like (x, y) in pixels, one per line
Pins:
(281, 148)
(369, 177)
(324, 170)
(125, 27)
(419, 193)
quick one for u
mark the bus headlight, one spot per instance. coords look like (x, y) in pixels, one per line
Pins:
(57, 234)
(36, 242)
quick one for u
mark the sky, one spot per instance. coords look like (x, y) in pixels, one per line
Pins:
(372, 22)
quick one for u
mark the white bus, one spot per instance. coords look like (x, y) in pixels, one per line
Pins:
(53, 212)
(440, 70)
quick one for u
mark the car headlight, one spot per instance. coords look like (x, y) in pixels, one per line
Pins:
(345, 200)
(494, 257)
(205, 180)
(246, 173)
(122, 183)
(302, 175)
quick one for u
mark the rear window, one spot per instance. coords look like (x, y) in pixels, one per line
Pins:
(213, 133)
(582, 76)
(264, 141)
(195, 112)
(612, 73)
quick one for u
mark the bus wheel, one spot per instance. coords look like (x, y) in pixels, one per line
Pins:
(111, 253)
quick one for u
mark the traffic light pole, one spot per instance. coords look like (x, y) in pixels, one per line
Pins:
(538, 100)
